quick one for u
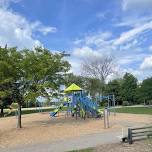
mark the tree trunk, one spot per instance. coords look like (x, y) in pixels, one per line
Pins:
(19, 124)
(2, 111)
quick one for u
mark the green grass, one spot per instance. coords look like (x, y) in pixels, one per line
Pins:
(135, 110)
(132, 110)
(28, 111)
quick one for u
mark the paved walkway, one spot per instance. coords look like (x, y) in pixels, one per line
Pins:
(82, 142)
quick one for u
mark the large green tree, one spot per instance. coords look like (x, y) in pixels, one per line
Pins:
(128, 88)
(114, 87)
(8, 74)
(79, 80)
(31, 73)
(145, 90)
(94, 86)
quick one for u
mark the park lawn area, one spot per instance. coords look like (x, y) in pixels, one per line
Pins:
(135, 110)
(30, 111)
(27, 111)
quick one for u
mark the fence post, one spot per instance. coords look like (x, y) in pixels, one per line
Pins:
(129, 136)
(106, 118)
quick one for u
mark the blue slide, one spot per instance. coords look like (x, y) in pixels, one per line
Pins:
(55, 111)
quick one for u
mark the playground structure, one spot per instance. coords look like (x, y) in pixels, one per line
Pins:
(78, 104)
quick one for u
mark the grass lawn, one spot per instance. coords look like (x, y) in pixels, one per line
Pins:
(27, 111)
(135, 110)
(142, 146)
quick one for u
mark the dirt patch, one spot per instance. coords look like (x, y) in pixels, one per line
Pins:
(142, 146)
(40, 128)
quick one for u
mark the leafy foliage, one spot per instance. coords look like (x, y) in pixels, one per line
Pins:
(144, 91)
(26, 74)
(128, 88)
(114, 87)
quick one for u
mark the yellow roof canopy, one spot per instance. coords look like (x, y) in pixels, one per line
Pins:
(73, 87)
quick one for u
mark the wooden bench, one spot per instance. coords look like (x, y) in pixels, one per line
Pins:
(139, 133)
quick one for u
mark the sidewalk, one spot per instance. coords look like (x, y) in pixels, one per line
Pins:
(82, 142)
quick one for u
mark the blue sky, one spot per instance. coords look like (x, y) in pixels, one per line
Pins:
(84, 28)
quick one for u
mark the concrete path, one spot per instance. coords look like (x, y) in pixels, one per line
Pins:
(82, 142)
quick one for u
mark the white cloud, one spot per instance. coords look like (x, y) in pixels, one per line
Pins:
(38, 26)
(94, 38)
(16, 30)
(76, 65)
(130, 58)
(127, 53)
(133, 21)
(136, 5)
(85, 52)
(147, 64)
(129, 35)
(46, 30)
(94, 44)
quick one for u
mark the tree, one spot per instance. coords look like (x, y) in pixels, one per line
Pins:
(128, 88)
(99, 68)
(7, 73)
(41, 70)
(145, 90)
(79, 80)
(114, 87)
(94, 86)
(31, 73)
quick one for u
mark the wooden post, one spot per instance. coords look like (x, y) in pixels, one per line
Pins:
(129, 136)
(19, 116)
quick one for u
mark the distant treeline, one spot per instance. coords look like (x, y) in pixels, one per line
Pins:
(127, 90)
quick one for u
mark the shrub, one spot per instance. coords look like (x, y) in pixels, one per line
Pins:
(125, 103)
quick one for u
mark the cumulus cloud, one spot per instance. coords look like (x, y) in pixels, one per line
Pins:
(94, 44)
(85, 52)
(147, 64)
(16, 30)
